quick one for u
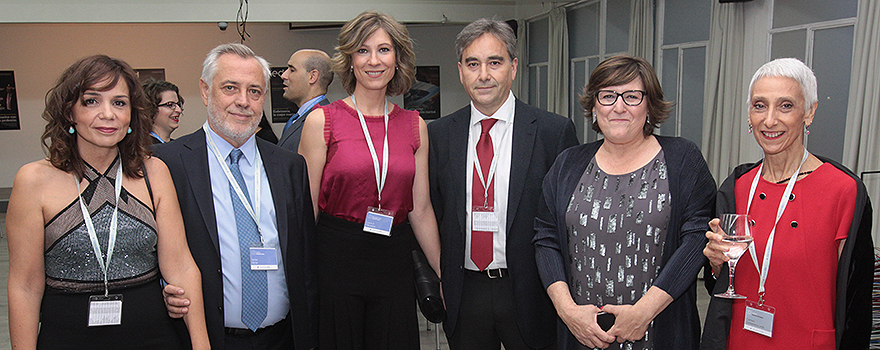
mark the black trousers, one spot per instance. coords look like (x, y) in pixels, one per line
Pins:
(486, 318)
(366, 287)
(275, 337)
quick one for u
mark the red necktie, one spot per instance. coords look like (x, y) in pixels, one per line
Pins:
(481, 241)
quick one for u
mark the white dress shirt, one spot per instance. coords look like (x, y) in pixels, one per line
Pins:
(227, 232)
(502, 144)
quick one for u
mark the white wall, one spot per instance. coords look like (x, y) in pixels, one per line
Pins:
(38, 53)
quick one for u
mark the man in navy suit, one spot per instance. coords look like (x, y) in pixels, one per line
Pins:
(305, 81)
(490, 280)
(247, 212)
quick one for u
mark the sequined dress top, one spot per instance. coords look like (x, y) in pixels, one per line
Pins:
(616, 232)
(70, 262)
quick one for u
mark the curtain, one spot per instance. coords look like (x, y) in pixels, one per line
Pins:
(641, 29)
(724, 115)
(557, 66)
(861, 150)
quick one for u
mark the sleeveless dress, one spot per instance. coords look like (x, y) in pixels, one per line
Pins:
(73, 274)
(366, 280)
(617, 230)
(802, 279)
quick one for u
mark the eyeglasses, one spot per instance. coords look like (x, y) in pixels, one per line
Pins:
(630, 97)
(171, 105)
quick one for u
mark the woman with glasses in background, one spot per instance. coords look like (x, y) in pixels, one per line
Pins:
(165, 97)
(620, 229)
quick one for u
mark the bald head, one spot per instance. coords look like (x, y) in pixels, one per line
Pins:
(308, 75)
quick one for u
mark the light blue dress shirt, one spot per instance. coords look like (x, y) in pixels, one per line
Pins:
(279, 302)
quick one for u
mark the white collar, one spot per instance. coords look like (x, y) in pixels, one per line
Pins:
(248, 149)
(504, 113)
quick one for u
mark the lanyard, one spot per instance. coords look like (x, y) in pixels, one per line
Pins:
(493, 166)
(783, 203)
(157, 136)
(380, 178)
(254, 211)
(90, 226)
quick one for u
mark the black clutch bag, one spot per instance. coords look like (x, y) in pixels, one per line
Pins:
(427, 288)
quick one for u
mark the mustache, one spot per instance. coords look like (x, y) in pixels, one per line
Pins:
(246, 112)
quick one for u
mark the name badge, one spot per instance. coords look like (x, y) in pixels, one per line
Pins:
(264, 258)
(484, 219)
(759, 318)
(379, 221)
(105, 310)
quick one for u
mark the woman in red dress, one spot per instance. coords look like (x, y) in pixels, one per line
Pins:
(816, 294)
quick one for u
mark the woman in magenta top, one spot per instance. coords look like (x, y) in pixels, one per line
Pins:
(817, 284)
(372, 198)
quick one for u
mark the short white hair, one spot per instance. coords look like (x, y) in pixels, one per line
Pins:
(209, 67)
(790, 68)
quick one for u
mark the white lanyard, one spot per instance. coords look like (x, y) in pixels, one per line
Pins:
(783, 203)
(493, 166)
(380, 179)
(90, 226)
(254, 210)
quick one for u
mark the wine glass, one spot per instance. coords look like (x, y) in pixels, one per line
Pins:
(738, 237)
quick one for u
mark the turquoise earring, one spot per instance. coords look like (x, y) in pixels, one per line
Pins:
(129, 131)
(71, 130)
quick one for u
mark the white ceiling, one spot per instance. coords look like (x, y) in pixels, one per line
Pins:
(150, 11)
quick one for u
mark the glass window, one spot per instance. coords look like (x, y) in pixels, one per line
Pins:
(832, 63)
(669, 83)
(693, 68)
(583, 31)
(796, 12)
(617, 28)
(576, 112)
(789, 44)
(686, 21)
(539, 34)
(534, 94)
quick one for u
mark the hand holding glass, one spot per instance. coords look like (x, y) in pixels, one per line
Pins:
(738, 238)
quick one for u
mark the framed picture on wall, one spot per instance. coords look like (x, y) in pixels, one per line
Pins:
(150, 73)
(424, 95)
(8, 102)
(282, 109)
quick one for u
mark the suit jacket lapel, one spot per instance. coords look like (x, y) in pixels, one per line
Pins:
(298, 123)
(458, 140)
(293, 127)
(524, 129)
(276, 185)
(198, 174)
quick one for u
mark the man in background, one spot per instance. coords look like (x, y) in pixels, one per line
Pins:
(305, 81)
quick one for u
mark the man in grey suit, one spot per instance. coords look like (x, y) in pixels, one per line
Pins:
(306, 80)
(247, 212)
(487, 162)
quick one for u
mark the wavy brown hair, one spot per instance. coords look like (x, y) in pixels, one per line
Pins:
(354, 33)
(98, 73)
(153, 89)
(619, 70)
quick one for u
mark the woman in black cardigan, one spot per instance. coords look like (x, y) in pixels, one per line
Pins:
(621, 225)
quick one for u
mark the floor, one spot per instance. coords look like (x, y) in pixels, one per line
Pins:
(431, 337)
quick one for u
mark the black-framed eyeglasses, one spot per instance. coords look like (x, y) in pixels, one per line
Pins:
(630, 97)
(171, 105)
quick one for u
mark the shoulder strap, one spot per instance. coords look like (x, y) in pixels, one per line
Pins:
(149, 190)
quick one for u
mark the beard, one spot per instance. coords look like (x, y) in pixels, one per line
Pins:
(229, 128)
